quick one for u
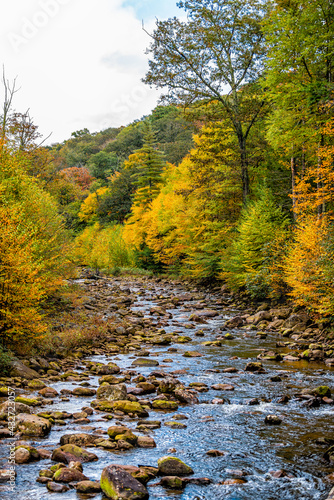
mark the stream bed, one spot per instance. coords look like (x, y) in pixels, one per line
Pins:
(236, 428)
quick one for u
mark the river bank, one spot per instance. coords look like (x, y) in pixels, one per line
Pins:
(203, 374)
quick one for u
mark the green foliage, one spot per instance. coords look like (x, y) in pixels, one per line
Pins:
(117, 202)
(149, 166)
(6, 357)
(102, 164)
(252, 262)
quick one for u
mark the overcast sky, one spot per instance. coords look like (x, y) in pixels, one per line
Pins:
(79, 63)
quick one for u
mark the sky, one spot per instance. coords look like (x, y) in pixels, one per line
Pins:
(79, 63)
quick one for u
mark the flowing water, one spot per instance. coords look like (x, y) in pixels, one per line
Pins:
(236, 428)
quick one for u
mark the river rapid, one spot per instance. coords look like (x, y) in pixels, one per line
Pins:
(277, 462)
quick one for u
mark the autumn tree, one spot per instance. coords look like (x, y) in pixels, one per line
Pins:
(299, 80)
(216, 55)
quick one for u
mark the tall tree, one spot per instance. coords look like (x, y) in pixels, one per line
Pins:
(216, 55)
(149, 165)
(299, 80)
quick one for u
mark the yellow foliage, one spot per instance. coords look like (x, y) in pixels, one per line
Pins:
(90, 204)
(33, 250)
(307, 265)
(103, 248)
(188, 224)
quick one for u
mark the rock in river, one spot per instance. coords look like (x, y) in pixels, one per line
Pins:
(32, 425)
(113, 392)
(172, 466)
(70, 452)
(118, 484)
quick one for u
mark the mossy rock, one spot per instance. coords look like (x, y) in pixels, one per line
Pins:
(69, 475)
(182, 339)
(46, 473)
(115, 430)
(111, 379)
(4, 391)
(36, 384)
(27, 401)
(32, 425)
(71, 452)
(118, 484)
(162, 404)
(33, 452)
(321, 391)
(145, 362)
(127, 436)
(175, 425)
(172, 483)
(84, 391)
(130, 407)
(172, 466)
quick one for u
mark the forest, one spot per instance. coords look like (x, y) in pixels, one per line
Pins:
(229, 179)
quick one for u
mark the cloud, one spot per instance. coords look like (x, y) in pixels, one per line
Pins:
(125, 62)
(79, 63)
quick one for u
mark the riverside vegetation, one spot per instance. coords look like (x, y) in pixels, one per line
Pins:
(228, 189)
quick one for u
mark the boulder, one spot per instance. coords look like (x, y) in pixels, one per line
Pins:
(167, 385)
(83, 391)
(56, 487)
(81, 439)
(18, 369)
(48, 392)
(70, 452)
(186, 396)
(146, 442)
(223, 387)
(161, 404)
(235, 322)
(118, 484)
(272, 420)
(172, 466)
(109, 369)
(88, 487)
(172, 482)
(69, 475)
(22, 456)
(8, 406)
(114, 392)
(32, 425)
(254, 366)
(145, 362)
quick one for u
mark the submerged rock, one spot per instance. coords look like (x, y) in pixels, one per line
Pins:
(172, 482)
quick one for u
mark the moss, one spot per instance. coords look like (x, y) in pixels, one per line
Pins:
(108, 488)
(27, 401)
(161, 404)
(322, 391)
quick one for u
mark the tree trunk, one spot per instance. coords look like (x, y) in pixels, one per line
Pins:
(244, 167)
(293, 186)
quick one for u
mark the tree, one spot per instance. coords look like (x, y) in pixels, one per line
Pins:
(102, 164)
(149, 165)
(117, 202)
(299, 81)
(215, 56)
